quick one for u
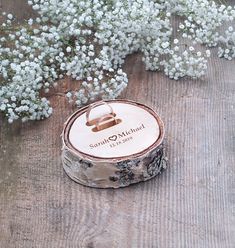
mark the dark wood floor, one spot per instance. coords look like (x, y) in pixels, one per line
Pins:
(192, 204)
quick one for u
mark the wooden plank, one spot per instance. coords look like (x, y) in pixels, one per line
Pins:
(190, 205)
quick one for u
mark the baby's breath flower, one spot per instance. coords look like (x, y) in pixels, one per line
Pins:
(68, 49)
(10, 16)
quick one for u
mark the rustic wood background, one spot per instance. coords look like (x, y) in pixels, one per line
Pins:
(192, 204)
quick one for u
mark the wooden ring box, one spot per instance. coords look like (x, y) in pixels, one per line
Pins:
(112, 144)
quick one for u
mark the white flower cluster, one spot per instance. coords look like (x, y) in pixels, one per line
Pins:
(89, 41)
(204, 19)
(227, 46)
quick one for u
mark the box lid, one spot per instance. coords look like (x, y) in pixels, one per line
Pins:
(114, 129)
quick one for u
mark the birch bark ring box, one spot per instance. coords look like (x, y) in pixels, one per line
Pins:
(112, 144)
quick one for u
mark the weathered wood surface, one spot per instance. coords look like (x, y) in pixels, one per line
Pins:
(192, 204)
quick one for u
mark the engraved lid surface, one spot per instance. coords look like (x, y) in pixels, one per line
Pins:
(134, 129)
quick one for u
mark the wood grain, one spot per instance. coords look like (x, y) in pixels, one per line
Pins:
(192, 204)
